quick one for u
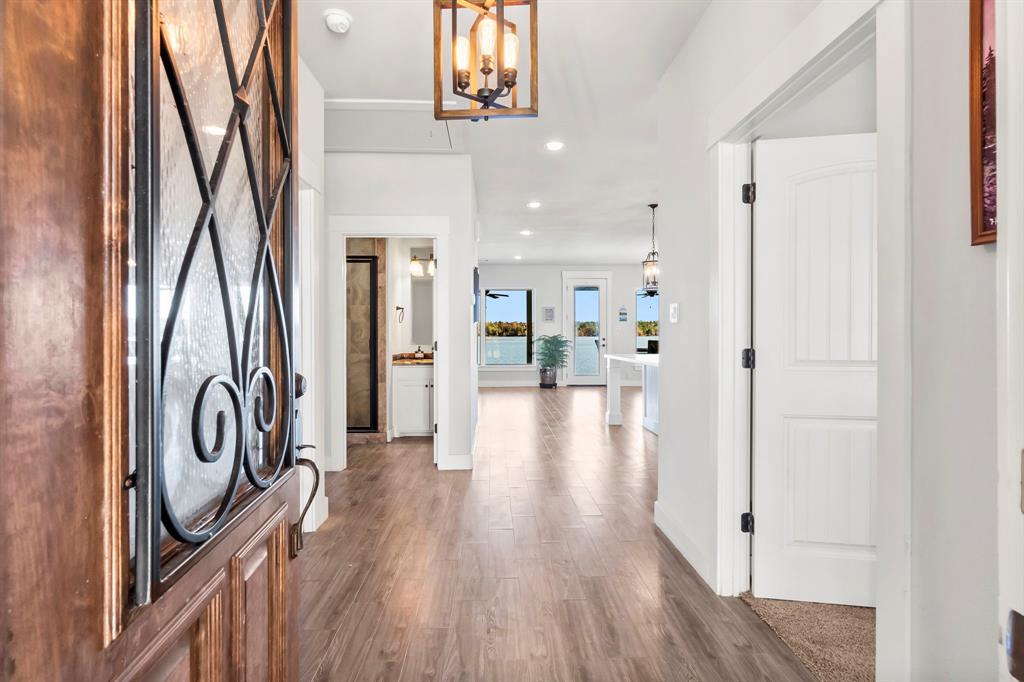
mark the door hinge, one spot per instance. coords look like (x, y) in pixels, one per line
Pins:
(435, 428)
(747, 522)
(749, 192)
(747, 359)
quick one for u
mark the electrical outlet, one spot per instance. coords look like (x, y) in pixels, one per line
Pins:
(673, 313)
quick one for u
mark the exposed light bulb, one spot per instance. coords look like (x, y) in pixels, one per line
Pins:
(462, 64)
(486, 37)
(431, 266)
(509, 72)
(511, 50)
(462, 53)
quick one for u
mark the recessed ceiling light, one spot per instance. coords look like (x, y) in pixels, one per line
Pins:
(555, 146)
(533, 204)
(518, 257)
(526, 233)
(214, 130)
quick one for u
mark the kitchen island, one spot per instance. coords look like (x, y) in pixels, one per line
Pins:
(648, 363)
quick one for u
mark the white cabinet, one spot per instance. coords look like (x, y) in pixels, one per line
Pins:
(413, 413)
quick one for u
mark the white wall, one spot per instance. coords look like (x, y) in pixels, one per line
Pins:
(1010, 307)
(309, 349)
(701, 75)
(546, 282)
(418, 185)
(953, 576)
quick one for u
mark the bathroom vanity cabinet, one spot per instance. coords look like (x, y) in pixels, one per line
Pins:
(413, 400)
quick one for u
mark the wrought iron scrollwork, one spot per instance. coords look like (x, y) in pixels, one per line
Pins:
(252, 391)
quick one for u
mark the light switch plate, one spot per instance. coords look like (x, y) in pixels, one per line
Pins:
(673, 313)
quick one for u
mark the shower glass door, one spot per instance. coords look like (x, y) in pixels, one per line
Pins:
(361, 358)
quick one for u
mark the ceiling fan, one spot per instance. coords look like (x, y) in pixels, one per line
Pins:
(492, 294)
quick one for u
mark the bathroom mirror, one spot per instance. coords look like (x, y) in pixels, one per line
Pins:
(422, 300)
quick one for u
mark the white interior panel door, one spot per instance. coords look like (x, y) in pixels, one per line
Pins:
(815, 381)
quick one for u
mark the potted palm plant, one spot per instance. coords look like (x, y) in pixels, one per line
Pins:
(552, 354)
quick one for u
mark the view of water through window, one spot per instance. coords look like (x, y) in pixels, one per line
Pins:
(508, 326)
(646, 319)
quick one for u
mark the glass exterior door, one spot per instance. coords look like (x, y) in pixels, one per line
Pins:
(587, 330)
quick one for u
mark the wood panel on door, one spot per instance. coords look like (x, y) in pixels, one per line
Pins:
(815, 381)
(73, 604)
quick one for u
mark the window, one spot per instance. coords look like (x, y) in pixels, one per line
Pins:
(508, 327)
(646, 319)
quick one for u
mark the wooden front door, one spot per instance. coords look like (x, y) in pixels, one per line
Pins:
(150, 498)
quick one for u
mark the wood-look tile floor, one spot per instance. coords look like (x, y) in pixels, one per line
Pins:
(543, 563)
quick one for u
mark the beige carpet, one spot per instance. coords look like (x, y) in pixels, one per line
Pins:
(836, 643)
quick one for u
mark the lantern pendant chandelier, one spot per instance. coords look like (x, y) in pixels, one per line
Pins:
(651, 262)
(484, 65)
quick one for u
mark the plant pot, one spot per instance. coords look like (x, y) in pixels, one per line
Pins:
(548, 377)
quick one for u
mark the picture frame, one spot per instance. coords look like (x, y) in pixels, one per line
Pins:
(984, 224)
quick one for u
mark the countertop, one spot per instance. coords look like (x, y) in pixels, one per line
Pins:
(649, 359)
(410, 359)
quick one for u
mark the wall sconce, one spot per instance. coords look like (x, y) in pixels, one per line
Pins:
(492, 47)
(422, 267)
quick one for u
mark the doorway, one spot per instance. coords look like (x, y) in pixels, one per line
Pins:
(586, 326)
(814, 406)
(411, 318)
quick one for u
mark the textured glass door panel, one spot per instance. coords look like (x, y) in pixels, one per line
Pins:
(199, 347)
(191, 27)
(587, 322)
(218, 372)
(242, 23)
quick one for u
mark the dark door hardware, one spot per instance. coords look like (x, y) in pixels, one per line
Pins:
(295, 535)
(748, 359)
(747, 522)
(749, 193)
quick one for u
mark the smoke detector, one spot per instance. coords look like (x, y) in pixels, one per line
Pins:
(338, 20)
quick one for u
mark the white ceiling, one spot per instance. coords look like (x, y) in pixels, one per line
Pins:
(600, 61)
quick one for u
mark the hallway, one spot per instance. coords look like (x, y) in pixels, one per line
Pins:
(543, 563)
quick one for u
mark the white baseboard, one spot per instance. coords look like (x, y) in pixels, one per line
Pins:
(455, 462)
(509, 383)
(673, 530)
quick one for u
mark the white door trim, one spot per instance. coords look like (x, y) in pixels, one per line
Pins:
(567, 330)
(341, 227)
(730, 130)
(308, 358)
(1010, 309)
(832, 34)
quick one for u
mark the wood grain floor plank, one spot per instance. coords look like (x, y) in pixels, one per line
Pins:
(540, 565)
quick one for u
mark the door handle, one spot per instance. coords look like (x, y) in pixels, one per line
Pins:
(295, 536)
